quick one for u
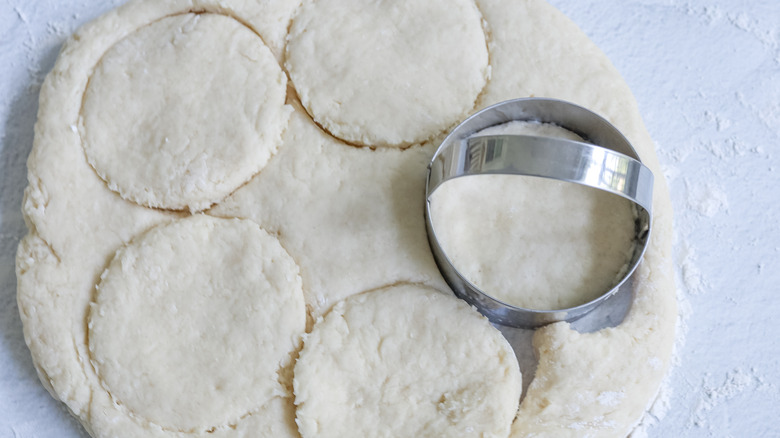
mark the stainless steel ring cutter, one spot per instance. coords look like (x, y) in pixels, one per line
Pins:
(607, 162)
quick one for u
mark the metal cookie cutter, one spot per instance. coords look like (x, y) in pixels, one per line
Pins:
(612, 166)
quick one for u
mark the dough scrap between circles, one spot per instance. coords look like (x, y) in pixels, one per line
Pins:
(349, 216)
(387, 73)
(407, 361)
(550, 245)
(183, 111)
(194, 322)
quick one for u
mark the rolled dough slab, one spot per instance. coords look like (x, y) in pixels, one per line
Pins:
(318, 191)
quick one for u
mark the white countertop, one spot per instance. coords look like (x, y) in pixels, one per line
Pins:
(706, 74)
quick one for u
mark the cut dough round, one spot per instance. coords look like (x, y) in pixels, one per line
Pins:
(550, 244)
(406, 361)
(194, 321)
(387, 73)
(183, 111)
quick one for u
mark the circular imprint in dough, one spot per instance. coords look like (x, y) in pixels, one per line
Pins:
(194, 321)
(387, 73)
(407, 361)
(183, 111)
(550, 244)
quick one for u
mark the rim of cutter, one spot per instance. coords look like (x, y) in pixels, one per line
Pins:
(612, 166)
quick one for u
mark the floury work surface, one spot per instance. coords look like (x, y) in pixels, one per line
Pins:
(707, 79)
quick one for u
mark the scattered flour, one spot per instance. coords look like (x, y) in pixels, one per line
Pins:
(718, 149)
(670, 172)
(739, 147)
(656, 412)
(706, 199)
(741, 21)
(684, 310)
(692, 278)
(771, 116)
(712, 14)
(680, 153)
(736, 382)
(610, 398)
(721, 122)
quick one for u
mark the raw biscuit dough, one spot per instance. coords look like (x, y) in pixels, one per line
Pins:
(596, 384)
(632, 359)
(195, 321)
(166, 125)
(77, 224)
(549, 244)
(398, 73)
(389, 362)
(349, 216)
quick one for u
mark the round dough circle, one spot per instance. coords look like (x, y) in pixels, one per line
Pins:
(194, 320)
(393, 74)
(550, 245)
(407, 361)
(183, 111)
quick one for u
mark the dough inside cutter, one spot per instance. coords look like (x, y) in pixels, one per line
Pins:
(506, 233)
